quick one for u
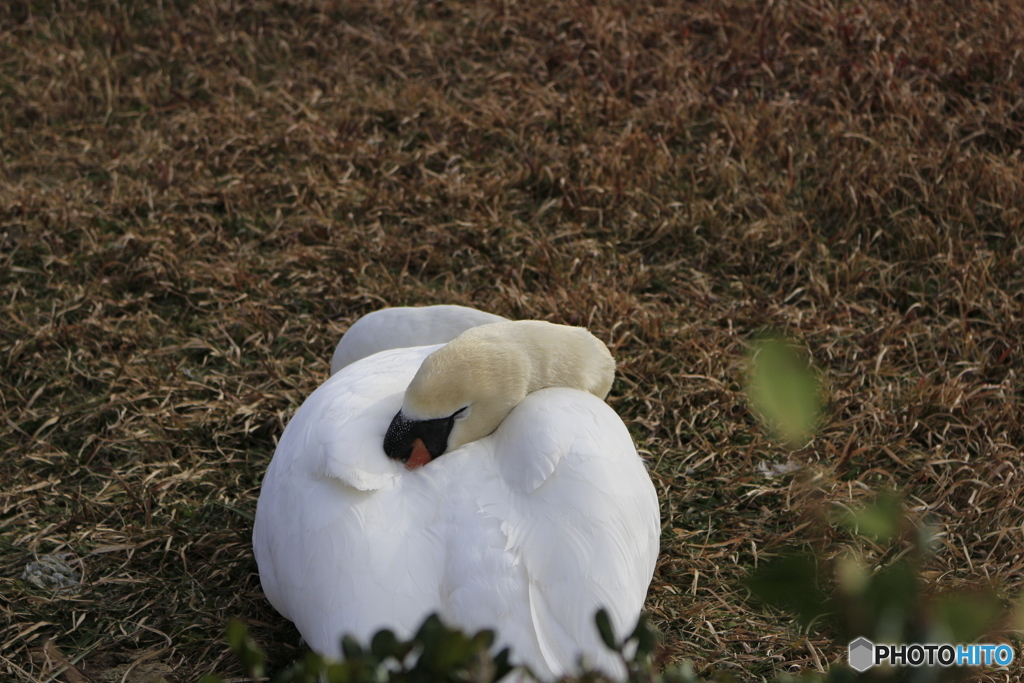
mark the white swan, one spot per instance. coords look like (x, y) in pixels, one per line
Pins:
(394, 328)
(505, 499)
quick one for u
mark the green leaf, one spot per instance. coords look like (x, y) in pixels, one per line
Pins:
(306, 669)
(350, 647)
(968, 616)
(604, 627)
(791, 582)
(646, 638)
(446, 651)
(313, 665)
(502, 667)
(681, 673)
(384, 644)
(237, 632)
(783, 390)
(429, 631)
(880, 521)
(245, 648)
(335, 673)
(891, 599)
(483, 640)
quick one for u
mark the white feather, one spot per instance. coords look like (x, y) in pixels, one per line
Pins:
(405, 326)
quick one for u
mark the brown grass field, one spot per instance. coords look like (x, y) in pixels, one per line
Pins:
(198, 197)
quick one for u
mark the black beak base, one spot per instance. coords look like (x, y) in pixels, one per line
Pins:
(402, 432)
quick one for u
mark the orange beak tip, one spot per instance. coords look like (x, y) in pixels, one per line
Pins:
(420, 455)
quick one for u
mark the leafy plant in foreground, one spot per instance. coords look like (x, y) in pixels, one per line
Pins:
(435, 653)
(439, 653)
(887, 603)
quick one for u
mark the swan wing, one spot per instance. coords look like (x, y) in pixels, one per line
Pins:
(590, 532)
(404, 326)
(570, 519)
(343, 543)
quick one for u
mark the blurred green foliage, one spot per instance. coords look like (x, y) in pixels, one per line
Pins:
(879, 521)
(887, 603)
(438, 653)
(783, 390)
(791, 582)
(435, 654)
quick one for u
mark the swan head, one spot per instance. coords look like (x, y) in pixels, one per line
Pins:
(464, 390)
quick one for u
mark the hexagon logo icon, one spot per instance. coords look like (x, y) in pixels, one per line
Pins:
(862, 655)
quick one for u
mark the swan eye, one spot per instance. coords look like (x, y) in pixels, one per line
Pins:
(461, 412)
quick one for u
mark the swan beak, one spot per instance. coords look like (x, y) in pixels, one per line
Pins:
(416, 442)
(420, 455)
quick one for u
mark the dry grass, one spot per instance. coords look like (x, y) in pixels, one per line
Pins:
(197, 197)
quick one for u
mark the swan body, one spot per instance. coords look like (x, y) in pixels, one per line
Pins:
(404, 326)
(529, 528)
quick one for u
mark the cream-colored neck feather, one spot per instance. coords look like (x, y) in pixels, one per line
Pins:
(491, 368)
